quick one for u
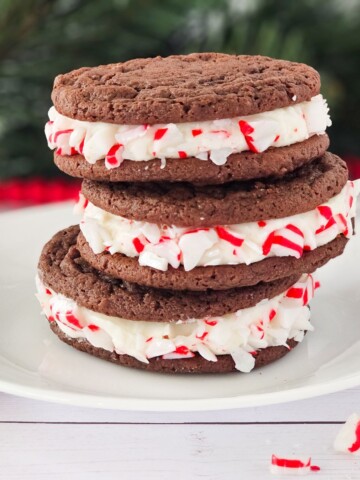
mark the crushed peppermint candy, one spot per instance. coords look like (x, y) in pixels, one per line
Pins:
(292, 466)
(114, 157)
(80, 205)
(348, 438)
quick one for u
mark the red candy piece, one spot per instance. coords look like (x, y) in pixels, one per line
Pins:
(111, 158)
(160, 132)
(260, 329)
(261, 223)
(282, 241)
(246, 129)
(196, 132)
(163, 239)
(202, 337)
(268, 243)
(182, 349)
(229, 237)
(272, 314)
(139, 246)
(212, 323)
(293, 464)
(70, 317)
(325, 211)
(295, 292)
(61, 132)
(93, 328)
(342, 220)
(328, 225)
(294, 229)
(356, 445)
(182, 154)
(289, 463)
(195, 230)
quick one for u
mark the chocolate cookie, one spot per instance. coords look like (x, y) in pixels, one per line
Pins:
(183, 88)
(218, 277)
(186, 205)
(275, 162)
(197, 364)
(63, 269)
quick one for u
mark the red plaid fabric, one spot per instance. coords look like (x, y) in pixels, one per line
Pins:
(16, 193)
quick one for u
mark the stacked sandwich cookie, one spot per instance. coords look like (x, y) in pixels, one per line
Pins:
(209, 199)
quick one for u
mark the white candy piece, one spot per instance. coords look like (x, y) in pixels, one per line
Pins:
(264, 134)
(348, 438)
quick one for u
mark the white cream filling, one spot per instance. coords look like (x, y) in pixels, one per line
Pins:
(159, 246)
(240, 334)
(214, 140)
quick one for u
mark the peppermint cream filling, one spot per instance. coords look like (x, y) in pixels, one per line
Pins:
(159, 246)
(214, 140)
(240, 334)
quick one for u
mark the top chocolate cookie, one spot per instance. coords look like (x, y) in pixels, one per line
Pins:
(184, 88)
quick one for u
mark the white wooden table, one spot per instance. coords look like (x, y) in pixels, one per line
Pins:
(41, 440)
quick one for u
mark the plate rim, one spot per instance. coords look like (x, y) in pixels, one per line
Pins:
(111, 402)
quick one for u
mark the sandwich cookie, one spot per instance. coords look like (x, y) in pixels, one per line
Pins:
(62, 269)
(67, 287)
(207, 203)
(177, 125)
(222, 256)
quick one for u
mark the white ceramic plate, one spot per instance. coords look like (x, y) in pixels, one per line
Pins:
(34, 363)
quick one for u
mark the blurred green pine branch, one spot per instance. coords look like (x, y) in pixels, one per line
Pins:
(41, 38)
